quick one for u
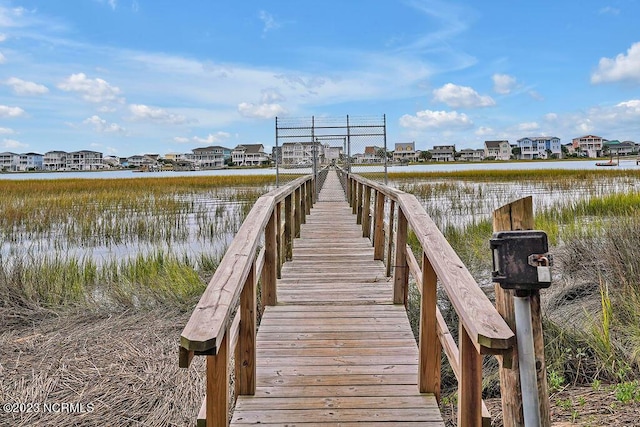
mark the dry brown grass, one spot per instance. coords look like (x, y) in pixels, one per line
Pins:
(125, 364)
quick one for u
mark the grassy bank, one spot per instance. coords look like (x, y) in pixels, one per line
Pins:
(592, 311)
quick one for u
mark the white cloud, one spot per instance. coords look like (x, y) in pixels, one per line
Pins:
(113, 4)
(2, 58)
(92, 90)
(22, 87)
(483, 131)
(261, 111)
(268, 21)
(6, 111)
(461, 96)
(551, 117)
(181, 140)
(503, 83)
(621, 68)
(428, 119)
(3, 37)
(211, 138)
(528, 126)
(144, 112)
(6, 131)
(101, 125)
(12, 144)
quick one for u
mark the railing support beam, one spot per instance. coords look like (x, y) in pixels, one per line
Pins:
(378, 225)
(246, 347)
(470, 384)
(429, 345)
(401, 270)
(218, 385)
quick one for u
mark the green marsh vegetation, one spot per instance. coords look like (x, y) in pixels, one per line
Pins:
(126, 243)
(592, 217)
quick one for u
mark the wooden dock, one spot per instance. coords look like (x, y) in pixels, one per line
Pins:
(334, 345)
(335, 350)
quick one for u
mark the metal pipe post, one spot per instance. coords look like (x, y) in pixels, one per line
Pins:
(527, 361)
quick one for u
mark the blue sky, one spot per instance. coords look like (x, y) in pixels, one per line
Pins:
(139, 76)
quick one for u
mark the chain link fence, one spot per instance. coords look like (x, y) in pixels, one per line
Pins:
(314, 145)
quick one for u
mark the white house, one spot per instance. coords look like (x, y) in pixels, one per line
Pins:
(498, 150)
(471, 155)
(249, 155)
(9, 161)
(84, 160)
(302, 153)
(55, 160)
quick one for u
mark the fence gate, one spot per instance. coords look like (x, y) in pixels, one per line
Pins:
(319, 144)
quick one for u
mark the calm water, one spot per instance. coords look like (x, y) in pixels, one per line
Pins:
(457, 166)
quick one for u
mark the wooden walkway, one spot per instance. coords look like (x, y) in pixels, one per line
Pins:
(335, 350)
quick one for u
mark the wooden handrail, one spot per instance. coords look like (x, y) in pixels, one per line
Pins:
(482, 330)
(212, 330)
(208, 322)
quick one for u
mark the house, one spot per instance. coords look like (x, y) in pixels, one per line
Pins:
(55, 160)
(84, 160)
(591, 145)
(443, 153)
(211, 157)
(617, 148)
(498, 150)
(371, 155)
(333, 153)
(9, 161)
(405, 152)
(249, 155)
(31, 161)
(302, 153)
(539, 147)
(143, 161)
(471, 155)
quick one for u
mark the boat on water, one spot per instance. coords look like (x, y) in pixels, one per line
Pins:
(609, 163)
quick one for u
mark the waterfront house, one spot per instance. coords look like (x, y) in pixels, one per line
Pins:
(55, 160)
(302, 153)
(497, 150)
(249, 155)
(211, 157)
(31, 162)
(617, 148)
(539, 147)
(443, 153)
(9, 161)
(591, 145)
(405, 152)
(84, 160)
(471, 155)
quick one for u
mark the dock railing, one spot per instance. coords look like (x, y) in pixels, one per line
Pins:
(223, 322)
(482, 330)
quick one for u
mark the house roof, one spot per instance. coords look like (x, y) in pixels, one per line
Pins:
(495, 144)
(405, 144)
(251, 148)
(371, 150)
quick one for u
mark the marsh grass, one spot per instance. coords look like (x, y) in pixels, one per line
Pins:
(592, 311)
(118, 243)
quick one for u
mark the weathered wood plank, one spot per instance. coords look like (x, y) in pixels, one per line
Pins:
(349, 360)
(483, 323)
